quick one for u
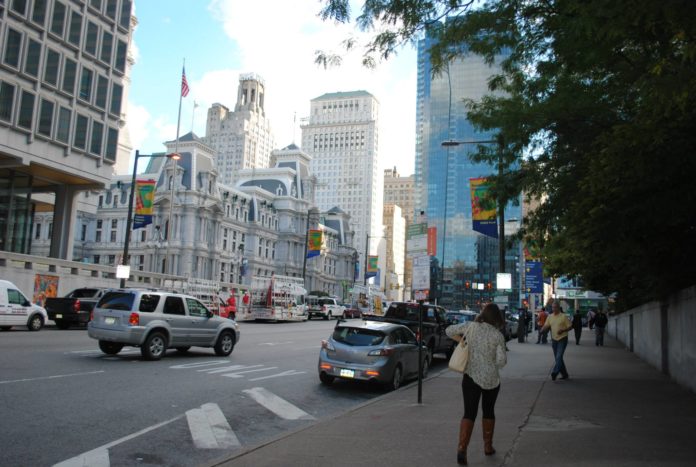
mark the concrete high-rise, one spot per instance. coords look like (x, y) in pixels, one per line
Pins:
(242, 139)
(341, 136)
(442, 178)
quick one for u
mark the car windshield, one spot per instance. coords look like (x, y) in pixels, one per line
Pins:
(117, 301)
(457, 318)
(358, 336)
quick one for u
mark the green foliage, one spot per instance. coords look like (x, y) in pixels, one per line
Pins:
(595, 112)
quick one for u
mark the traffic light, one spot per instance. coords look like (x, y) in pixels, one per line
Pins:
(489, 286)
(467, 284)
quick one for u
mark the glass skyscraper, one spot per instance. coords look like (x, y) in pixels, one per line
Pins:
(442, 174)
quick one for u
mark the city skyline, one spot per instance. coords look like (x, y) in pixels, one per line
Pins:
(219, 42)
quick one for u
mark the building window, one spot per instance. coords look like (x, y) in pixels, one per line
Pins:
(52, 64)
(83, 233)
(116, 94)
(31, 64)
(111, 144)
(19, 7)
(96, 259)
(63, 130)
(121, 53)
(97, 138)
(112, 260)
(69, 75)
(126, 6)
(97, 236)
(80, 137)
(107, 46)
(58, 19)
(75, 28)
(96, 4)
(38, 14)
(86, 84)
(91, 40)
(113, 236)
(7, 92)
(46, 118)
(13, 45)
(26, 110)
(111, 8)
(37, 234)
(102, 90)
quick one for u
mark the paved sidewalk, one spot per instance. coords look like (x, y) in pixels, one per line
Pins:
(614, 410)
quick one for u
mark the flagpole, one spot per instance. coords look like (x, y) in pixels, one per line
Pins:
(171, 197)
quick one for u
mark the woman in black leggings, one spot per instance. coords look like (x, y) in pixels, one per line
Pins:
(481, 381)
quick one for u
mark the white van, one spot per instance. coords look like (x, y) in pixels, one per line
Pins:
(16, 310)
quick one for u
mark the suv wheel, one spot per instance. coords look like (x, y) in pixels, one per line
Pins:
(110, 348)
(154, 346)
(326, 379)
(225, 344)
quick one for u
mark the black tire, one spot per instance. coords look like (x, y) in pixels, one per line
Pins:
(62, 324)
(327, 316)
(183, 348)
(426, 367)
(397, 377)
(35, 323)
(5, 328)
(326, 379)
(110, 348)
(225, 344)
(154, 346)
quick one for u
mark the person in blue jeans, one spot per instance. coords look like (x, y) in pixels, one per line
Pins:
(560, 325)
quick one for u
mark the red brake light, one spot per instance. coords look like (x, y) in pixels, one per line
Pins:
(134, 319)
(76, 306)
(418, 336)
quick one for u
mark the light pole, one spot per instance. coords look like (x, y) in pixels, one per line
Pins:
(129, 218)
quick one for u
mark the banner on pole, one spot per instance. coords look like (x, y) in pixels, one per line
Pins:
(483, 208)
(372, 266)
(314, 239)
(144, 202)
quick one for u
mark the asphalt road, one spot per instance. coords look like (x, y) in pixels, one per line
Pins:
(64, 402)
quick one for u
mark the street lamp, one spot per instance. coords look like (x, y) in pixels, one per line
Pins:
(129, 220)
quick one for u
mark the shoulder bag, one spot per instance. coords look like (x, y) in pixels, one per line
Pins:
(460, 356)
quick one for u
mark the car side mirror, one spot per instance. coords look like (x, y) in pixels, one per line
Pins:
(210, 314)
(26, 303)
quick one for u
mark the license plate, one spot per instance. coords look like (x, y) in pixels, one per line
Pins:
(110, 320)
(58, 316)
(347, 373)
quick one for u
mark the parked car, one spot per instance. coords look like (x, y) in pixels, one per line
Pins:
(156, 321)
(351, 311)
(461, 316)
(17, 310)
(323, 307)
(75, 308)
(384, 353)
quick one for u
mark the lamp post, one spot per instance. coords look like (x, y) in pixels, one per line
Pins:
(129, 218)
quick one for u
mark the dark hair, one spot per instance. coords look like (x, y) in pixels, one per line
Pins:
(491, 315)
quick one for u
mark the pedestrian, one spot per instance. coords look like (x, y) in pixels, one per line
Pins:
(590, 318)
(560, 325)
(577, 326)
(232, 305)
(541, 320)
(600, 322)
(481, 380)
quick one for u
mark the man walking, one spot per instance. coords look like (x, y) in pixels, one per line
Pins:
(541, 320)
(600, 323)
(560, 325)
(577, 326)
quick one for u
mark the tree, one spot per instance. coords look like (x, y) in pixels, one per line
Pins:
(596, 115)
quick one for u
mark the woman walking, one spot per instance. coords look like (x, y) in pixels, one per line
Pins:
(577, 326)
(481, 380)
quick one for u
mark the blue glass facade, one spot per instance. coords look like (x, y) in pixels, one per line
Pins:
(442, 179)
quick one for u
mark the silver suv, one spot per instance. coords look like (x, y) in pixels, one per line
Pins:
(156, 321)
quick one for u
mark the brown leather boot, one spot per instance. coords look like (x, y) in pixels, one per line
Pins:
(466, 426)
(488, 425)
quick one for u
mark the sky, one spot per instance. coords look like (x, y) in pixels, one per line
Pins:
(276, 39)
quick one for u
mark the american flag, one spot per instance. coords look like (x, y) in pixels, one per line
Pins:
(184, 83)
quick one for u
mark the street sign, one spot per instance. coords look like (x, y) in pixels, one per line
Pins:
(533, 277)
(421, 272)
(417, 240)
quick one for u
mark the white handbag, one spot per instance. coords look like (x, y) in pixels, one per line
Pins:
(460, 356)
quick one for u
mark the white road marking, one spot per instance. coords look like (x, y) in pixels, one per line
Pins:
(274, 343)
(86, 458)
(50, 377)
(199, 364)
(284, 373)
(228, 368)
(277, 405)
(209, 428)
(238, 374)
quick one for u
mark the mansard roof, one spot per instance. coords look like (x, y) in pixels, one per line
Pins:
(342, 95)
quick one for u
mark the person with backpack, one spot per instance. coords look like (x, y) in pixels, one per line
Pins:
(600, 324)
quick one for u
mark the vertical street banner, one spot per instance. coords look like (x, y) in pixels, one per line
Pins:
(483, 208)
(372, 266)
(533, 277)
(314, 239)
(144, 202)
(432, 241)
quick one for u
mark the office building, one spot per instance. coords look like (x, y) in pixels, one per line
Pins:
(341, 136)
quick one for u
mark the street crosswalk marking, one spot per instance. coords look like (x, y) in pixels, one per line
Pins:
(277, 405)
(209, 428)
(239, 374)
(277, 375)
(229, 369)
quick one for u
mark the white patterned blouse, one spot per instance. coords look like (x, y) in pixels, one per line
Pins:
(486, 352)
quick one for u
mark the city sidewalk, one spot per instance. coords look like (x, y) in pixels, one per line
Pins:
(615, 410)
